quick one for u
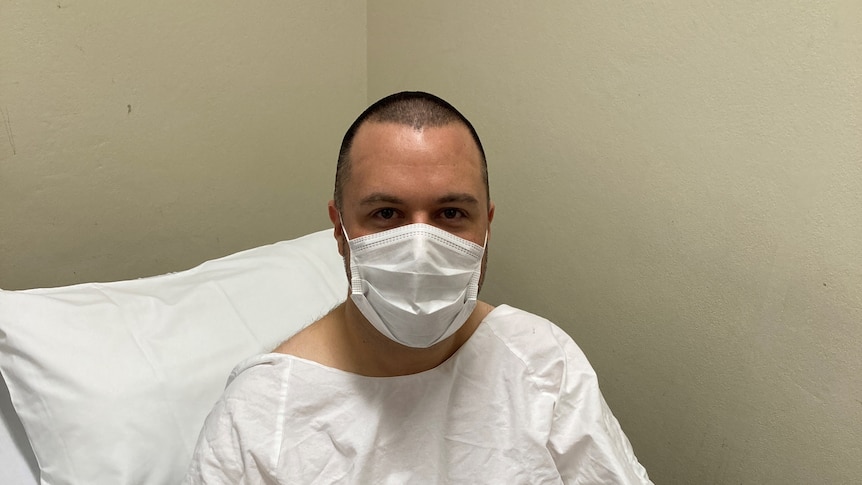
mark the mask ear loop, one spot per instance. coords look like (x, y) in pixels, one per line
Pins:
(344, 231)
(473, 286)
(355, 278)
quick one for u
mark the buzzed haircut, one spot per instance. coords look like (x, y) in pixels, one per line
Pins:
(411, 108)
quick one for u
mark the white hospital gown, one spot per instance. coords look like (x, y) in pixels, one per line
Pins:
(518, 403)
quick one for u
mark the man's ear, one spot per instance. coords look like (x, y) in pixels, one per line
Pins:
(338, 231)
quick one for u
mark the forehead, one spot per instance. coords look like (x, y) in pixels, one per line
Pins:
(390, 156)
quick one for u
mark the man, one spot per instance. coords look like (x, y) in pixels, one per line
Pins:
(412, 379)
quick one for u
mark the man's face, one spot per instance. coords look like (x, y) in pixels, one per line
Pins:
(399, 175)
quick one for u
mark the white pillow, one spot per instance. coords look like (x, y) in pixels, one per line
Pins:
(17, 463)
(112, 381)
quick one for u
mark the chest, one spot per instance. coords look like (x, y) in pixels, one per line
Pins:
(484, 418)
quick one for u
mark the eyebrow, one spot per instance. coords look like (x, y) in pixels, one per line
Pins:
(378, 197)
(461, 198)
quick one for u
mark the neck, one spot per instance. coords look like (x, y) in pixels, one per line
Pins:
(370, 353)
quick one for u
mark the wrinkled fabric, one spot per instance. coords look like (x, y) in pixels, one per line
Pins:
(518, 403)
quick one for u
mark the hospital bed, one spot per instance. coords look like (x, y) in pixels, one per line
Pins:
(109, 383)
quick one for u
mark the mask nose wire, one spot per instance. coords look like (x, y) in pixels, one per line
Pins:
(347, 238)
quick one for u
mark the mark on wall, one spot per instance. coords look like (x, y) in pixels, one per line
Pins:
(7, 123)
(130, 109)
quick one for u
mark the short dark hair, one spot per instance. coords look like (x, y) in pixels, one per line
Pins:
(412, 108)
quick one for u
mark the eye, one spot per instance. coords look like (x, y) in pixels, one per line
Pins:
(452, 213)
(386, 213)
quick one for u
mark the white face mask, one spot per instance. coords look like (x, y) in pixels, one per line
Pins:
(416, 284)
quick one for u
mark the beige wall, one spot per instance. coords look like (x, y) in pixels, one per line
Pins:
(679, 185)
(145, 137)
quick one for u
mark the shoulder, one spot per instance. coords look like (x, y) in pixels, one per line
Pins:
(318, 342)
(246, 407)
(253, 378)
(241, 423)
(303, 342)
(519, 329)
(544, 347)
(259, 390)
